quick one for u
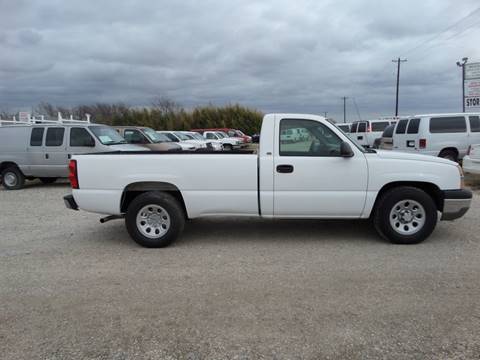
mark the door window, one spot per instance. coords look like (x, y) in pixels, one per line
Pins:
(413, 126)
(81, 137)
(36, 138)
(354, 128)
(134, 137)
(210, 136)
(319, 140)
(452, 124)
(475, 123)
(401, 126)
(55, 136)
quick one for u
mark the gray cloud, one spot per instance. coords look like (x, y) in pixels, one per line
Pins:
(279, 55)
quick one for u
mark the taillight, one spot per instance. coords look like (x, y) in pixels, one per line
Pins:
(369, 129)
(422, 143)
(72, 174)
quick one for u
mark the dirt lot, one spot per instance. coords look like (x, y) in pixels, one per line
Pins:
(246, 289)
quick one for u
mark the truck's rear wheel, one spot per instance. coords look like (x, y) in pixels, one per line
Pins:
(13, 178)
(154, 219)
(405, 215)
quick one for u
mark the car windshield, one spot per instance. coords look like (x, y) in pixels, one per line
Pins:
(197, 136)
(239, 133)
(221, 135)
(189, 136)
(163, 137)
(153, 136)
(181, 136)
(225, 135)
(107, 135)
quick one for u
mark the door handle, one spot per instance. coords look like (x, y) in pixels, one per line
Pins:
(47, 156)
(69, 156)
(410, 143)
(284, 169)
(359, 137)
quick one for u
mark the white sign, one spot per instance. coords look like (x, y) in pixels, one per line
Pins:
(23, 116)
(472, 71)
(472, 86)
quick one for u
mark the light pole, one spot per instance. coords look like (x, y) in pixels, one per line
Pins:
(344, 109)
(398, 61)
(462, 65)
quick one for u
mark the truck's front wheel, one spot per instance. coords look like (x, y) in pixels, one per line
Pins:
(154, 219)
(405, 215)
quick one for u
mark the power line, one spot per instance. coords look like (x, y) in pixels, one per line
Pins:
(443, 31)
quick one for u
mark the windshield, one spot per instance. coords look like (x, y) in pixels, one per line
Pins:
(164, 137)
(107, 135)
(221, 135)
(197, 136)
(181, 136)
(153, 136)
(239, 133)
(189, 136)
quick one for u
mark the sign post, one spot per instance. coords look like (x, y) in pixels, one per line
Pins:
(471, 87)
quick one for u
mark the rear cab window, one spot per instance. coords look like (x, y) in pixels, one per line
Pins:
(36, 139)
(379, 126)
(362, 127)
(55, 136)
(450, 124)
(354, 128)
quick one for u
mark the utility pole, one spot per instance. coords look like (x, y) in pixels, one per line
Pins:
(398, 61)
(344, 109)
(462, 65)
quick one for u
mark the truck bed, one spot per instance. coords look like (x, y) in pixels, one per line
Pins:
(210, 183)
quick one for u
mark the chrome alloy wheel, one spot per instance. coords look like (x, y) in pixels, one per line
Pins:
(407, 217)
(10, 179)
(153, 221)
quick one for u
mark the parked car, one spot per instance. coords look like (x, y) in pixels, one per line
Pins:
(148, 138)
(180, 140)
(228, 143)
(402, 193)
(234, 133)
(41, 148)
(215, 145)
(471, 161)
(386, 141)
(444, 135)
(366, 131)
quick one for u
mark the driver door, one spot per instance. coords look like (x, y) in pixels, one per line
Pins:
(312, 179)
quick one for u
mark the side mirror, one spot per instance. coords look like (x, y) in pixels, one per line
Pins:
(346, 150)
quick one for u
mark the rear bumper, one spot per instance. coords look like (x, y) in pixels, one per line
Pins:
(456, 203)
(70, 202)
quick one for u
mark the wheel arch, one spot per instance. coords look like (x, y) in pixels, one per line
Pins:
(133, 190)
(430, 188)
(449, 148)
(6, 164)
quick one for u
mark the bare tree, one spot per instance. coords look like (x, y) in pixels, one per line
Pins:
(166, 106)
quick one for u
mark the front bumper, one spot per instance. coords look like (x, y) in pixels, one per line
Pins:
(70, 202)
(456, 203)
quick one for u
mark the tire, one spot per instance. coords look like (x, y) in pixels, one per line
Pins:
(13, 178)
(228, 147)
(405, 215)
(449, 154)
(48, 180)
(154, 219)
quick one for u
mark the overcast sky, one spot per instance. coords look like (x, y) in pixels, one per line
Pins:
(277, 56)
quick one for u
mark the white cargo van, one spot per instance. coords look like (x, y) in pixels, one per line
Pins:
(365, 132)
(444, 135)
(39, 148)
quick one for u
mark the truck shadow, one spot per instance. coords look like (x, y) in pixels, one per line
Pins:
(278, 231)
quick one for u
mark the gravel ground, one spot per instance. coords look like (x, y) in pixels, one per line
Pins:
(71, 288)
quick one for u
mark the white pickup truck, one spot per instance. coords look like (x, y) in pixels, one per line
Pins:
(324, 175)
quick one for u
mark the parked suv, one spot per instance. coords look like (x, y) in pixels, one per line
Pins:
(147, 137)
(444, 135)
(366, 131)
(42, 148)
